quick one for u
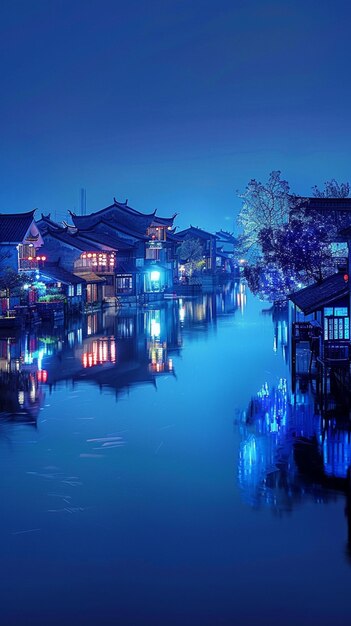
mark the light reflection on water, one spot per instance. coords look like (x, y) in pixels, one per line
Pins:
(134, 450)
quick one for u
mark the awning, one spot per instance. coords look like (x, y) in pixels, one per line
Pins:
(90, 277)
(59, 274)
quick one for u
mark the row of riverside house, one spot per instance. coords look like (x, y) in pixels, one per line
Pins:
(115, 255)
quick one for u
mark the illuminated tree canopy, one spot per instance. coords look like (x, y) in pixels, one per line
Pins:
(191, 254)
(332, 189)
(264, 206)
(286, 247)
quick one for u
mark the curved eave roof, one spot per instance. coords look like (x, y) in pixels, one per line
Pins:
(197, 232)
(73, 240)
(105, 239)
(129, 209)
(164, 221)
(319, 295)
(15, 226)
(327, 204)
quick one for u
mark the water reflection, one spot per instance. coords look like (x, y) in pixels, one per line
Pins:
(281, 322)
(292, 448)
(20, 392)
(112, 351)
(156, 470)
(291, 452)
(201, 314)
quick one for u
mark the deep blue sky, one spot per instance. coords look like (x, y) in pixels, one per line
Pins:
(174, 105)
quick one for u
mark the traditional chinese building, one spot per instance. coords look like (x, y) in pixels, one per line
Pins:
(91, 263)
(226, 247)
(327, 304)
(208, 243)
(20, 240)
(338, 210)
(145, 245)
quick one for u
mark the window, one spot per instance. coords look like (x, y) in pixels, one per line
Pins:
(153, 254)
(124, 283)
(336, 328)
(92, 293)
(71, 290)
(79, 289)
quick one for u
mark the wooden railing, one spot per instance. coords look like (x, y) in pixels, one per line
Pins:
(305, 331)
(337, 352)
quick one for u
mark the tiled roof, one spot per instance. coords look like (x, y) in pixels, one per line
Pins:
(164, 221)
(14, 227)
(315, 297)
(45, 222)
(110, 226)
(173, 236)
(54, 271)
(327, 204)
(196, 232)
(106, 239)
(118, 213)
(129, 209)
(72, 239)
(225, 236)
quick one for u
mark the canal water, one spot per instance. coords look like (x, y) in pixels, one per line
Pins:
(156, 468)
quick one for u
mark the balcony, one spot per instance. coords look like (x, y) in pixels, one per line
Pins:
(336, 353)
(97, 268)
(27, 265)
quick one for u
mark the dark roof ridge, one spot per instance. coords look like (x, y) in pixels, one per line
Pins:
(124, 205)
(19, 215)
(225, 232)
(207, 232)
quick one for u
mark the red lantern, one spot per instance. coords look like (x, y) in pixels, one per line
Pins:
(346, 278)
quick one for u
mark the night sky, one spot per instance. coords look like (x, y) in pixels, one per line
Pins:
(174, 105)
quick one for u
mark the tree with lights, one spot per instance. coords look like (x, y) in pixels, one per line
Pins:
(301, 248)
(270, 282)
(11, 284)
(285, 246)
(265, 206)
(191, 255)
(332, 189)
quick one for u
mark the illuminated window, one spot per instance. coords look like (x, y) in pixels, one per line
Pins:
(336, 328)
(124, 283)
(153, 254)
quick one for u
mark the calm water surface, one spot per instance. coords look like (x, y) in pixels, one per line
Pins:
(162, 472)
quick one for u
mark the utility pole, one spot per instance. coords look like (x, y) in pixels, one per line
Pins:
(83, 201)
